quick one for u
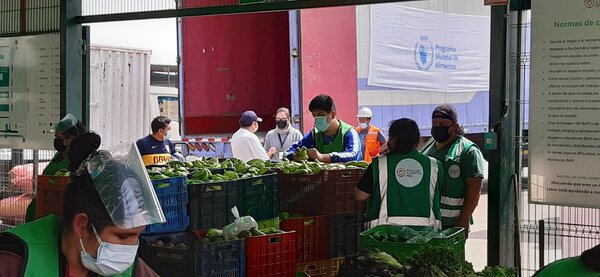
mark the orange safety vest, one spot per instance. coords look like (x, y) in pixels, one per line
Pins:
(371, 143)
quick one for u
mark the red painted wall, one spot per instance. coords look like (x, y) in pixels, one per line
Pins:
(231, 64)
(329, 60)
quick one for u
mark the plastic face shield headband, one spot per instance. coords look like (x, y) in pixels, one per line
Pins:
(125, 188)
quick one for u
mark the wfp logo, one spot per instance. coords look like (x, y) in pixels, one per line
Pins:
(592, 3)
(423, 54)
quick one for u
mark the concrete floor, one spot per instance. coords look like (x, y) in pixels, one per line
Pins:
(476, 247)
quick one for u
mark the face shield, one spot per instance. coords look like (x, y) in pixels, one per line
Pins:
(125, 188)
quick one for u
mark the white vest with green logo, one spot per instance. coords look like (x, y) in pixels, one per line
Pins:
(406, 190)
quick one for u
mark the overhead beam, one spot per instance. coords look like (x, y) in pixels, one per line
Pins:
(224, 10)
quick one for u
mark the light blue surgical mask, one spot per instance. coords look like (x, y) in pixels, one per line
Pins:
(169, 134)
(111, 259)
(321, 123)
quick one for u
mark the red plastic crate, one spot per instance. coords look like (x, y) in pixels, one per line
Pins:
(312, 236)
(329, 192)
(49, 196)
(271, 255)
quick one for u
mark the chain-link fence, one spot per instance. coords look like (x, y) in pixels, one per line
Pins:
(19, 169)
(548, 232)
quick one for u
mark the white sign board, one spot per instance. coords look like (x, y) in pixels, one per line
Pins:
(423, 50)
(29, 90)
(564, 129)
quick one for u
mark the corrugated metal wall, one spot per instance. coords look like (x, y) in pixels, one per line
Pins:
(119, 97)
(389, 104)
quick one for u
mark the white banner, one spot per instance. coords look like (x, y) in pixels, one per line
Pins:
(415, 49)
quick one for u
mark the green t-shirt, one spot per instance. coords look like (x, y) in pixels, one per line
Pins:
(471, 165)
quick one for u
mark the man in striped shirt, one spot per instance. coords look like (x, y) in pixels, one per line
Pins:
(462, 165)
(332, 140)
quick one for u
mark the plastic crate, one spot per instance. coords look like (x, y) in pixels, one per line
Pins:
(271, 255)
(314, 269)
(268, 223)
(49, 196)
(455, 238)
(312, 237)
(173, 200)
(216, 259)
(343, 231)
(333, 266)
(258, 197)
(329, 192)
(211, 203)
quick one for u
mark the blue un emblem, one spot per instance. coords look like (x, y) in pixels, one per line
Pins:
(423, 54)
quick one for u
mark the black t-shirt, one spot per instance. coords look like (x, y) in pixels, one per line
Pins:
(365, 183)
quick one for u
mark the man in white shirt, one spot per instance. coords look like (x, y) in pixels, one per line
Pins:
(245, 144)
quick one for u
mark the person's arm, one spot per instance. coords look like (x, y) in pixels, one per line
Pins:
(10, 264)
(351, 149)
(364, 188)
(307, 141)
(381, 138)
(472, 173)
(257, 150)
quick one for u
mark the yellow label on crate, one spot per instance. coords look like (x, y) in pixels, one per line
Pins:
(153, 159)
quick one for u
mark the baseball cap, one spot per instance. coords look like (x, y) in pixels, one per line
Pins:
(248, 117)
(445, 111)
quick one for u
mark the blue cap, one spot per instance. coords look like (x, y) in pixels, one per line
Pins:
(248, 117)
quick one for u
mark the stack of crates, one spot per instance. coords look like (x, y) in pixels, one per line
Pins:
(49, 195)
(329, 193)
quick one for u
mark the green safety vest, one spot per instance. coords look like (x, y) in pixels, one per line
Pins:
(567, 267)
(337, 145)
(454, 187)
(406, 190)
(41, 240)
(56, 164)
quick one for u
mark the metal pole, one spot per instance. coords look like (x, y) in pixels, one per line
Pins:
(541, 240)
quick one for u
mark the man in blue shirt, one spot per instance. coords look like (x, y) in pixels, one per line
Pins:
(156, 148)
(332, 140)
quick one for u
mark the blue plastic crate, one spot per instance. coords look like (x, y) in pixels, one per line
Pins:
(173, 199)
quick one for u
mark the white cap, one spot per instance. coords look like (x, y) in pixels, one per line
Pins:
(364, 112)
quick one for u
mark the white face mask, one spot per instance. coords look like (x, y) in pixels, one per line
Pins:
(111, 259)
(169, 134)
(363, 125)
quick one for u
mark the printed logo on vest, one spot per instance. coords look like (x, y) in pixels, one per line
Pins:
(454, 171)
(409, 173)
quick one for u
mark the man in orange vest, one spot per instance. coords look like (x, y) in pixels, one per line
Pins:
(371, 137)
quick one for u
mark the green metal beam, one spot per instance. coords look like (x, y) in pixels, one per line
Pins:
(222, 10)
(498, 108)
(72, 88)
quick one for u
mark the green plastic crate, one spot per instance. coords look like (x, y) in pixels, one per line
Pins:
(455, 238)
(268, 223)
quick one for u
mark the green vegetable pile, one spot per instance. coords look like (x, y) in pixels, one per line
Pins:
(216, 235)
(393, 233)
(201, 171)
(430, 261)
(63, 172)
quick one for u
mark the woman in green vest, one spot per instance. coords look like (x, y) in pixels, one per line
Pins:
(106, 207)
(403, 186)
(65, 132)
(586, 265)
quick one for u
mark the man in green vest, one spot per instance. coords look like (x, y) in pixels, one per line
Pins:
(106, 207)
(332, 140)
(403, 186)
(463, 167)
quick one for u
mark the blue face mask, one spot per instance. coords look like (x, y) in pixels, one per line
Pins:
(321, 123)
